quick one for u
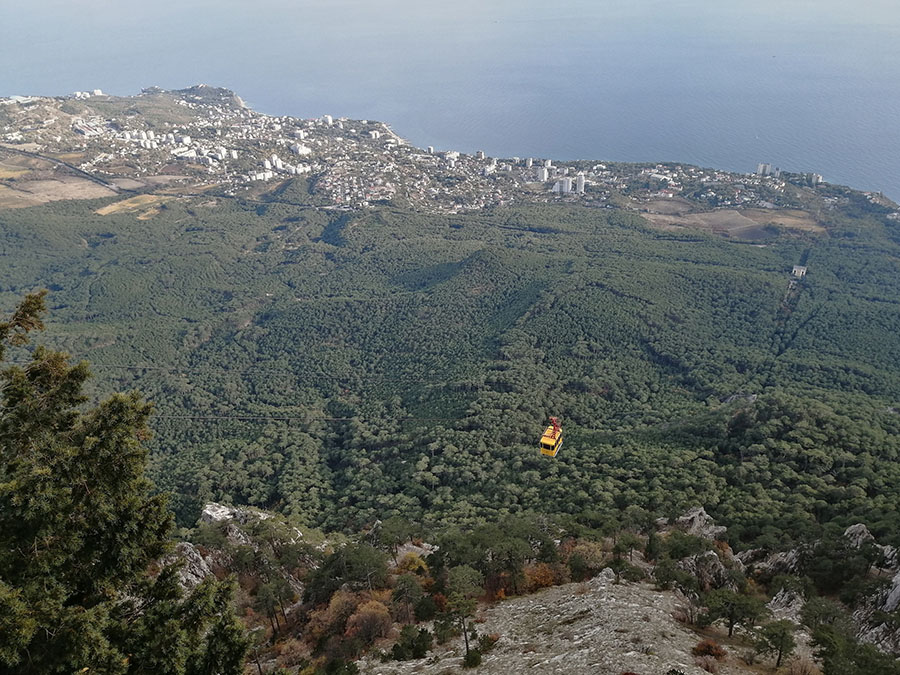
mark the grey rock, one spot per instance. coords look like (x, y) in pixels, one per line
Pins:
(595, 628)
(700, 524)
(786, 604)
(194, 567)
(607, 575)
(892, 601)
(858, 535)
(783, 562)
(709, 570)
(216, 513)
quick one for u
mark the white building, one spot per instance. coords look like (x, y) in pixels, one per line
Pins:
(579, 183)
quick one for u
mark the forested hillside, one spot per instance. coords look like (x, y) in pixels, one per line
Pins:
(350, 366)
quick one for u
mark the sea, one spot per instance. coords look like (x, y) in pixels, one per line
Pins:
(811, 86)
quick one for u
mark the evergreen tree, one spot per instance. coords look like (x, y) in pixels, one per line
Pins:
(79, 528)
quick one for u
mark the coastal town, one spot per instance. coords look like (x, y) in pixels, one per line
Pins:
(205, 138)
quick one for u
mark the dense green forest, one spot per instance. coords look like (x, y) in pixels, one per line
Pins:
(345, 367)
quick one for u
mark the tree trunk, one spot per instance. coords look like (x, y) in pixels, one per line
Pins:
(465, 634)
(778, 660)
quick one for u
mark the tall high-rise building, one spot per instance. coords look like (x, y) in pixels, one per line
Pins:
(579, 183)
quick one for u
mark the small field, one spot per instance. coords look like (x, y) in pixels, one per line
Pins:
(33, 192)
(792, 219)
(745, 224)
(148, 203)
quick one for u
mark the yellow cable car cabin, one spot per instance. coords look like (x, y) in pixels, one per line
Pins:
(552, 439)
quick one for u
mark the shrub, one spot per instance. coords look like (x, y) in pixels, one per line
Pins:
(444, 629)
(371, 620)
(413, 644)
(486, 642)
(538, 576)
(803, 667)
(472, 659)
(708, 663)
(709, 648)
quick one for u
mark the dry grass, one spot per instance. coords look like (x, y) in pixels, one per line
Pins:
(792, 219)
(136, 203)
(30, 193)
(747, 224)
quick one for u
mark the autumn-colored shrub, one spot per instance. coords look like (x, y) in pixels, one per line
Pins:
(440, 601)
(332, 620)
(371, 621)
(412, 563)
(709, 648)
(538, 576)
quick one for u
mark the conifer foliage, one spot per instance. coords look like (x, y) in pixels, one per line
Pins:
(79, 529)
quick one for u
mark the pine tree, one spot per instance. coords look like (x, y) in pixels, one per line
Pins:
(79, 528)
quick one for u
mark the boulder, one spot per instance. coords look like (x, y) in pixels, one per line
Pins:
(194, 567)
(787, 605)
(700, 524)
(892, 601)
(216, 513)
(859, 534)
(709, 570)
(783, 562)
(607, 575)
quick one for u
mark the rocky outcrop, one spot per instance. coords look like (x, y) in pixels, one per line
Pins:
(762, 566)
(786, 604)
(216, 513)
(892, 599)
(193, 569)
(709, 570)
(596, 628)
(858, 535)
(700, 524)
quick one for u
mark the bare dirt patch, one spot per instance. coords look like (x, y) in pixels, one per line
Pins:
(128, 183)
(131, 204)
(32, 192)
(793, 219)
(727, 222)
